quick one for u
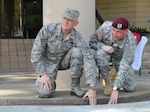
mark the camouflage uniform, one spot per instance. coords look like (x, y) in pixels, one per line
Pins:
(52, 52)
(121, 58)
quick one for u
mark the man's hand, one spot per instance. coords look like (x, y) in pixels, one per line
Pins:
(114, 97)
(91, 94)
(99, 36)
(108, 49)
(46, 82)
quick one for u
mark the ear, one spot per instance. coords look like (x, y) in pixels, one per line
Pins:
(127, 30)
(76, 23)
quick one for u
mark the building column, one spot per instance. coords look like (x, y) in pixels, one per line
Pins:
(53, 11)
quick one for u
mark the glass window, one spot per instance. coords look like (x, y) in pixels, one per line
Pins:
(20, 18)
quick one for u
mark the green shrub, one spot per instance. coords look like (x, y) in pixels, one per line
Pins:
(138, 29)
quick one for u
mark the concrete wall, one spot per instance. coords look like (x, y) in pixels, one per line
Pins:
(54, 9)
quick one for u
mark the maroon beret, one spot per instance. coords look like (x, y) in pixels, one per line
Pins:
(120, 23)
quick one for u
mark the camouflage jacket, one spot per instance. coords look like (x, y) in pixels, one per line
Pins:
(49, 46)
(126, 46)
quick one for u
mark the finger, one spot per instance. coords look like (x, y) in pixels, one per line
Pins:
(84, 96)
(110, 101)
(113, 102)
(113, 50)
(116, 101)
(91, 101)
(44, 85)
(49, 84)
(99, 36)
(94, 101)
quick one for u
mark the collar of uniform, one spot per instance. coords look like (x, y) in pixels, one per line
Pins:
(72, 34)
(120, 43)
(58, 30)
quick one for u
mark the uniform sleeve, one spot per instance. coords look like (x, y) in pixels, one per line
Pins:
(104, 30)
(94, 43)
(90, 68)
(37, 52)
(126, 62)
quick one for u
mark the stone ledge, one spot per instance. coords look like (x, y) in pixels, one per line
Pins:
(63, 98)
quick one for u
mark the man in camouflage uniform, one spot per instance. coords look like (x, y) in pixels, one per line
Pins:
(59, 46)
(114, 42)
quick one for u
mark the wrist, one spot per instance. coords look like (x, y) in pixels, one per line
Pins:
(115, 88)
(92, 86)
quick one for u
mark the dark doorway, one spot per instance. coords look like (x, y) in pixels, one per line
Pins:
(6, 17)
(20, 18)
(32, 17)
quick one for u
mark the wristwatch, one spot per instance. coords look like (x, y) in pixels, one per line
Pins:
(115, 88)
(92, 87)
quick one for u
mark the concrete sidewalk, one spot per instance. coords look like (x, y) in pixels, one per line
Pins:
(126, 107)
(18, 88)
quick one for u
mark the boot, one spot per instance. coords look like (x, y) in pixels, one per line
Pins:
(75, 88)
(112, 75)
(108, 88)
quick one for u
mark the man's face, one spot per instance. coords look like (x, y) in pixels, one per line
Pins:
(118, 34)
(68, 24)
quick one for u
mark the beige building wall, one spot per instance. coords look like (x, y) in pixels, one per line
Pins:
(53, 11)
(136, 11)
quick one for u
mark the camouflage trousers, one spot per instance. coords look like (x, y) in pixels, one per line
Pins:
(103, 61)
(73, 60)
